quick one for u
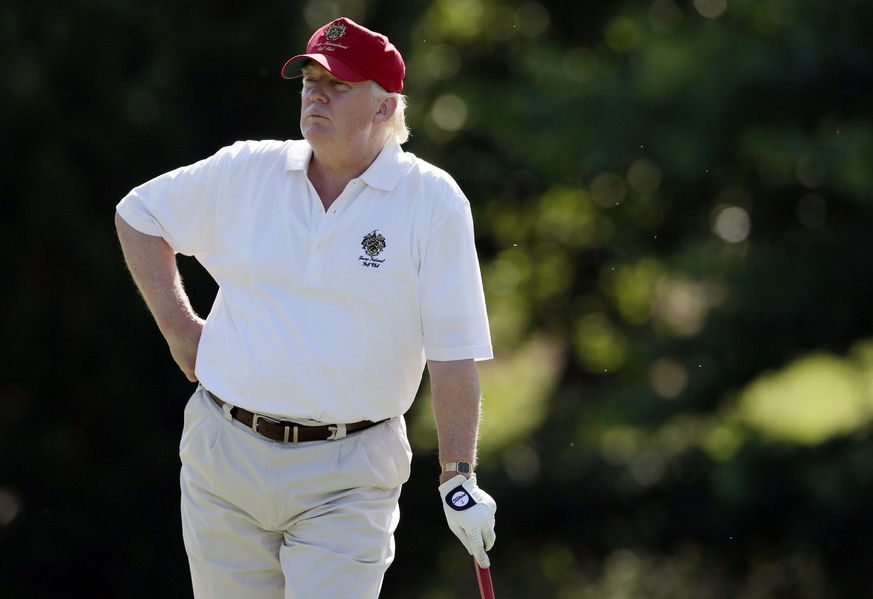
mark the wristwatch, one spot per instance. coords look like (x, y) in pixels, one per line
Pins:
(461, 467)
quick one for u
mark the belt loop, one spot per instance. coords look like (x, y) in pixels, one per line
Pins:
(338, 431)
(226, 408)
(288, 428)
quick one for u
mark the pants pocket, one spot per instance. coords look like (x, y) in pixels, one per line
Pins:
(387, 450)
(201, 432)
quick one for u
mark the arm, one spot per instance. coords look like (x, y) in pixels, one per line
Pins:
(456, 408)
(456, 405)
(152, 264)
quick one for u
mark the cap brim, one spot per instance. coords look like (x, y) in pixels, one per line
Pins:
(337, 67)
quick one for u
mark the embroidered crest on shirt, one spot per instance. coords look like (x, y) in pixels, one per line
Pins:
(373, 244)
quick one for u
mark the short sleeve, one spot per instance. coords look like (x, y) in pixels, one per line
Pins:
(454, 316)
(180, 205)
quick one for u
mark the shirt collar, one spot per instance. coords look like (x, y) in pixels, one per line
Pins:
(384, 173)
(390, 165)
(297, 156)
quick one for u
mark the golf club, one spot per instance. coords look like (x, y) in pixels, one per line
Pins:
(484, 575)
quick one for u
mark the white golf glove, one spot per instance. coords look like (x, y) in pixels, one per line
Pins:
(470, 514)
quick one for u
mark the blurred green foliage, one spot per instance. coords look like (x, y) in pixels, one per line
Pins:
(673, 209)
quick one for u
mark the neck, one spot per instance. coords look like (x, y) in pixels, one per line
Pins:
(329, 173)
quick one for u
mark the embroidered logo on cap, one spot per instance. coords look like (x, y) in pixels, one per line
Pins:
(335, 31)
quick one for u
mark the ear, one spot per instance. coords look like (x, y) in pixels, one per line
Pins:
(386, 110)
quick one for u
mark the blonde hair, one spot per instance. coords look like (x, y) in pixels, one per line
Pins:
(398, 126)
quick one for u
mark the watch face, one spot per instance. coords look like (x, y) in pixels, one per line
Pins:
(464, 468)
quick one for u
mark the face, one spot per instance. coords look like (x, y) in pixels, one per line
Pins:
(336, 111)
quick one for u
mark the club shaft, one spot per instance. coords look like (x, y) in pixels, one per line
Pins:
(486, 589)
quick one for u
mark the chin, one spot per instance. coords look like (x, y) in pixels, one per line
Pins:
(313, 132)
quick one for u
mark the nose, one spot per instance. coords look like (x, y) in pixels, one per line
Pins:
(316, 92)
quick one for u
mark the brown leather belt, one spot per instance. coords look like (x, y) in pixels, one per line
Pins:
(291, 432)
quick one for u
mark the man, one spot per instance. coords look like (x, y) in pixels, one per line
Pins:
(344, 265)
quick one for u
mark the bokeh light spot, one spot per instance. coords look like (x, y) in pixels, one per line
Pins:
(533, 19)
(665, 15)
(10, 505)
(449, 112)
(732, 224)
(644, 175)
(711, 9)
(668, 377)
(607, 190)
(622, 35)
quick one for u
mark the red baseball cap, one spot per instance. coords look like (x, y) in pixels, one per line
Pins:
(353, 53)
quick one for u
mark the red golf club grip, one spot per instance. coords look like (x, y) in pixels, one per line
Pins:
(486, 589)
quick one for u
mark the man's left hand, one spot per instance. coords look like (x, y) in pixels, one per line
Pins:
(470, 514)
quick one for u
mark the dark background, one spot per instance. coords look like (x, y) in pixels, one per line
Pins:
(673, 209)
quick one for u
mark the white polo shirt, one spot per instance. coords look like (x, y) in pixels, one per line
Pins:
(322, 316)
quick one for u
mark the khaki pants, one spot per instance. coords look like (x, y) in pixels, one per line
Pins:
(263, 519)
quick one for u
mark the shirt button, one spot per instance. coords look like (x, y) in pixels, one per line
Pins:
(320, 246)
